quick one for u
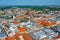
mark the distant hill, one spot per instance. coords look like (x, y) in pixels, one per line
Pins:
(50, 7)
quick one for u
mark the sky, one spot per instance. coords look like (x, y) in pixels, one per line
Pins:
(29, 2)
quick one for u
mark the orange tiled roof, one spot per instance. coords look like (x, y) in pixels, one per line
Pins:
(58, 37)
(23, 16)
(17, 36)
(10, 38)
(22, 29)
(53, 23)
(25, 36)
(44, 22)
(16, 22)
